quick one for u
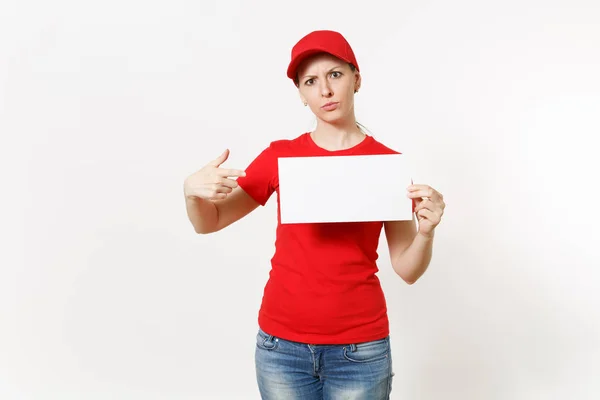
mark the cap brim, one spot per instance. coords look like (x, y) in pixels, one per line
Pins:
(291, 71)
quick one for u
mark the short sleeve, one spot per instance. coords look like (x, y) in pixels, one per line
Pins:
(260, 176)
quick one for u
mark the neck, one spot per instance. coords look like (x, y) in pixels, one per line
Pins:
(338, 136)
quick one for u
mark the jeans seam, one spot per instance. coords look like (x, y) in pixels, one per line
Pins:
(315, 373)
(389, 379)
(378, 358)
(390, 373)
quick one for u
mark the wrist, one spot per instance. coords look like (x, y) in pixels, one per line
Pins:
(426, 236)
(191, 197)
(187, 194)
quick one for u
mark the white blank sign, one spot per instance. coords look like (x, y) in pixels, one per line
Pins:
(344, 189)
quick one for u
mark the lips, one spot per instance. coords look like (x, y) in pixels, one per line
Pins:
(330, 106)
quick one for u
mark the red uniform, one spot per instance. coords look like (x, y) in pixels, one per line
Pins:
(322, 287)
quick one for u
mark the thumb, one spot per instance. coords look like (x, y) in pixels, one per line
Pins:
(414, 203)
(221, 159)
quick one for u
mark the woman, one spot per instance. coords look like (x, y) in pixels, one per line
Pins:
(323, 321)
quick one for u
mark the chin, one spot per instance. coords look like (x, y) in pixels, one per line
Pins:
(333, 117)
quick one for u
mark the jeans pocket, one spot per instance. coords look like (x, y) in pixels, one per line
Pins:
(368, 351)
(265, 341)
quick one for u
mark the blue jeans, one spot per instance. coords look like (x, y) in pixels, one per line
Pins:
(291, 370)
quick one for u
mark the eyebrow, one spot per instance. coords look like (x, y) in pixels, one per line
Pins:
(314, 76)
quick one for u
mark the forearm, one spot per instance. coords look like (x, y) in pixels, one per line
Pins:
(202, 214)
(412, 263)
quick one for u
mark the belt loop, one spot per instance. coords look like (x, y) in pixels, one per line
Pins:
(352, 347)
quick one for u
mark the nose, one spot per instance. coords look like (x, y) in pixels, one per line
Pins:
(326, 89)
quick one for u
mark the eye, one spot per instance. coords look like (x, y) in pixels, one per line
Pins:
(336, 74)
(309, 82)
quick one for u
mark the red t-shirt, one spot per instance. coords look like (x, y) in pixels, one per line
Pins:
(322, 287)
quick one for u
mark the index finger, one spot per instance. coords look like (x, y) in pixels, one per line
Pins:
(230, 172)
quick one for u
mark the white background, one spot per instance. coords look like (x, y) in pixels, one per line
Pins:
(106, 292)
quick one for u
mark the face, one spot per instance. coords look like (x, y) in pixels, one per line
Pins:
(328, 84)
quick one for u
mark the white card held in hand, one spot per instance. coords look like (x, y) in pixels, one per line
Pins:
(344, 188)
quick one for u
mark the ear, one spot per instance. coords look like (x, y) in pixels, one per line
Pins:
(302, 99)
(357, 81)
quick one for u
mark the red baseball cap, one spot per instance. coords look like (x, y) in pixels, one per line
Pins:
(318, 42)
